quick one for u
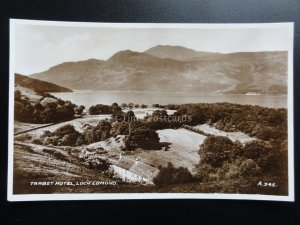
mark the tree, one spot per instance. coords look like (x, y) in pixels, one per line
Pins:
(89, 136)
(100, 132)
(119, 116)
(100, 109)
(70, 139)
(66, 129)
(271, 159)
(171, 175)
(215, 150)
(26, 112)
(141, 137)
(92, 110)
(65, 112)
(160, 114)
(96, 162)
(65, 135)
(130, 105)
(254, 150)
(130, 116)
(104, 125)
(115, 108)
(104, 109)
(79, 110)
(47, 112)
(121, 128)
(249, 168)
(49, 115)
(124, 105)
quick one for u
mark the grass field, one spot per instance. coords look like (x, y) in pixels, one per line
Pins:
(19, 126)
(181, 149)
(233, 136)
(36, 163)
(77, 123)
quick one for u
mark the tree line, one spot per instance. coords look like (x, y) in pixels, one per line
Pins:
(136, 134)
(53, 111)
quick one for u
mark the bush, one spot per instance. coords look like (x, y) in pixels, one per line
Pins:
(104, 125)
(130, 105)
(79, 141)
(79, 110)
(250, 160)
(141, 137)
(67, 129)
(203, 172)
(171, 175)
(93, 161)
(249, 168)
(24, 138)
(68, 136)
(46, 133)
(17, 95)
(100, 132)
(70, 139)
(65, 135)
(121, 128)
(254, 150)
(268, 158)
(124, 105)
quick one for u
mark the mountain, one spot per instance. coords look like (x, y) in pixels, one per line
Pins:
(38, 85)
(71, 74)
(175, 68)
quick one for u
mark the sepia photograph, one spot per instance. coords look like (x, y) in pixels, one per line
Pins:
(150, 111)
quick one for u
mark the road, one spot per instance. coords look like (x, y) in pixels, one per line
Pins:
(43, 126)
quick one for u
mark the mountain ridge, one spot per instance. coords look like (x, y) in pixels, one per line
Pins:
(177, 52)
(160, 69)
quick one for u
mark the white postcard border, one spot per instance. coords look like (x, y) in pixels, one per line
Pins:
(123, 196)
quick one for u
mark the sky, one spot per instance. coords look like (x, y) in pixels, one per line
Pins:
(39, 47)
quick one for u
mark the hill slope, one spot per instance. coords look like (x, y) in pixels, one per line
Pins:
(38, 85)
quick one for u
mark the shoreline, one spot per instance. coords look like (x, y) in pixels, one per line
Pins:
(89, 98)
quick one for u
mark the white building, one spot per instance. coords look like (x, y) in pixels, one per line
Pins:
(131, 170)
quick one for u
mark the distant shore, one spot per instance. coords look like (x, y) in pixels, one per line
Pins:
(91, 97)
